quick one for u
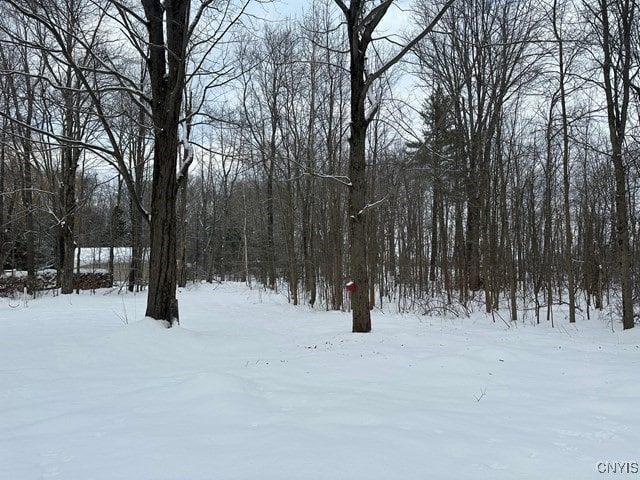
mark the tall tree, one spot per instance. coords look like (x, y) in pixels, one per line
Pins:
(172, 35)
(167, 25)
(73, 101)
(564, 62)
(614, 23)
(362, 19)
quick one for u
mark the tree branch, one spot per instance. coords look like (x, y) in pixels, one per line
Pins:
(378, 73)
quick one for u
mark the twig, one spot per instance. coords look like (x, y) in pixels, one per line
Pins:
(483, 392)
(495, 312)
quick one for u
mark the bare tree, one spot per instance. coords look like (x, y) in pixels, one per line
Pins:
(615, 26)
(563, 65)
(361, 20)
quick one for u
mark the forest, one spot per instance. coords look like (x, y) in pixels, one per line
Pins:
(218, 141)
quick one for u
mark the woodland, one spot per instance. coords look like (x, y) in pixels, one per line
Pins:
(483, 154)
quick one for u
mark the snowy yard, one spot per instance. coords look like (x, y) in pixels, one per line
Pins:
(250, 387)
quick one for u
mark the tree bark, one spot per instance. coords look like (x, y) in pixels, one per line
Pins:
(182, 233)
(163, 231)
(360, 307)
(167, 66)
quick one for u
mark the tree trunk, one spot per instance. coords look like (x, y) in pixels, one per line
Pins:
(307, 193)
(435, 237)
(245, 240)
(472, 240)
(291, 245)
(67, 220)
(27, 198)
(163, 234)
(271, 244)
(167, 75)
(565, 170)
(182, 233)
(622, 238)
(135, 261)
(3, 250)
(307, 247)
(360, 307)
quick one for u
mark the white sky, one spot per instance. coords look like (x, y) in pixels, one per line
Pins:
(398, 15)
(397, 21)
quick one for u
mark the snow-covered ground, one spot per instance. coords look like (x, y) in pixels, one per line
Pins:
(250, 387)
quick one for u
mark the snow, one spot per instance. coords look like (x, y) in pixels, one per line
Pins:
(249, 387)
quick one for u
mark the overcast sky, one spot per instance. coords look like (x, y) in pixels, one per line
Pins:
(398, 21)
(397, 17)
